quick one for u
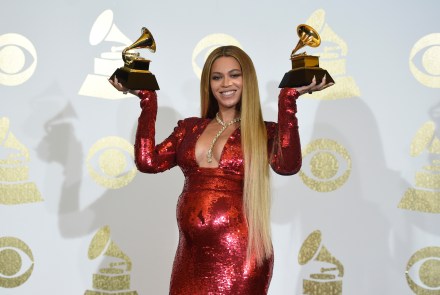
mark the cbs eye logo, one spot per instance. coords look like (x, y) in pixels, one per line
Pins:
(206, 46)
(423, 271)
(429, 59)
(110, 162)
(14, 256)
(14, 59)
(329, 165)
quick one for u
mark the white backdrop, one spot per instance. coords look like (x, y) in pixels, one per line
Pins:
(366, 202)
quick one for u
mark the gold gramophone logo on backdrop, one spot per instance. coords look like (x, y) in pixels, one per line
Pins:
(96, 84)
(135, 74)
(114, 156)
(423, 271)
(114, 279)
(429, 60)
(425, 197)
(330, 271)
(15, 69)
(205, 46)
(333, 59)
(329, 165)
(12, 261)
(15, 187)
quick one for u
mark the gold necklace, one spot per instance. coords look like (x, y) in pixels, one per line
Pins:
(225, 125)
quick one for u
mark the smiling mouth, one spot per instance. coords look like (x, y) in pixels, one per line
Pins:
(228, 93)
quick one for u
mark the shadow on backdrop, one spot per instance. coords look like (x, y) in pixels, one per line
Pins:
(141, 215)
(357, 218)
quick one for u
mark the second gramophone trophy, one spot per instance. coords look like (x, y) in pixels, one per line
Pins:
(135, 73)
(304, 66)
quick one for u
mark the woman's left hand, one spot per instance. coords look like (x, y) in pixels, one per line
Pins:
(121, 87)
(312, 87)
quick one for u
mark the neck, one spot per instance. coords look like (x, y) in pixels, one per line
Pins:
(228, 115)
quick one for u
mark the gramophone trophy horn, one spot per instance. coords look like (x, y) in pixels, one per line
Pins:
(146, 40)
(135, 73)
(304, 66)
(307, 37)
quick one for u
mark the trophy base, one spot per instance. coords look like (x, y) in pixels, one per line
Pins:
(136, 79)
(303, 76)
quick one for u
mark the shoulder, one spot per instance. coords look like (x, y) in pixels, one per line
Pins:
(191, 122)
(189, 126)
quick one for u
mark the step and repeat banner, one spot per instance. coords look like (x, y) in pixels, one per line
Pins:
(76, 217)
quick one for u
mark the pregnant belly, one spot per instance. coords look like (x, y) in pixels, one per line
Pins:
(211, 217)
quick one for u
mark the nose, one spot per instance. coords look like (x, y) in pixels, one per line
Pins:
(226, 81)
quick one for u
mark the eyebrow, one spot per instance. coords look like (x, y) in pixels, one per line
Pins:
(233, 70)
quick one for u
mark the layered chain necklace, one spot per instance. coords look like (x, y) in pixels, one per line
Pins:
(225, 125)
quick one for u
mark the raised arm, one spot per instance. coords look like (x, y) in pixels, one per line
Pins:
(284, 142)
(150, 158)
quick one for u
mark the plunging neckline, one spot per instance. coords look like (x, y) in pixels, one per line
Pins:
(223, 149)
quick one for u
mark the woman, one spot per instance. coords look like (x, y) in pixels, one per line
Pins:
(223, 212)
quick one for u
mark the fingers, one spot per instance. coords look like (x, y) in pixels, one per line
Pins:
(118, 85)
(327, 85)
(308, 88)
(115, 83)
(313, 84)
(322, 85)
(312, 87)
(323, 81)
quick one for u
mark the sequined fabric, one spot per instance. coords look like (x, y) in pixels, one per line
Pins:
(211, 255)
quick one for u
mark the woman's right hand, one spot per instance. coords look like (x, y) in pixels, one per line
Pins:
(120, 87)
(312, 87)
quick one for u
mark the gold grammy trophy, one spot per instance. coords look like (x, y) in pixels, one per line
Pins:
(135, 73)
(304, 66)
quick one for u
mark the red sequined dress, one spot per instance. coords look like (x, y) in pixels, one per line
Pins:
(210, 257)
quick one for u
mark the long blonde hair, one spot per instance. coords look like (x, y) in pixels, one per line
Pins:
(256, 191)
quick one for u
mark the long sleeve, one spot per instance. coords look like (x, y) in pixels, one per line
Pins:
(150, 158)
(284, 141)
